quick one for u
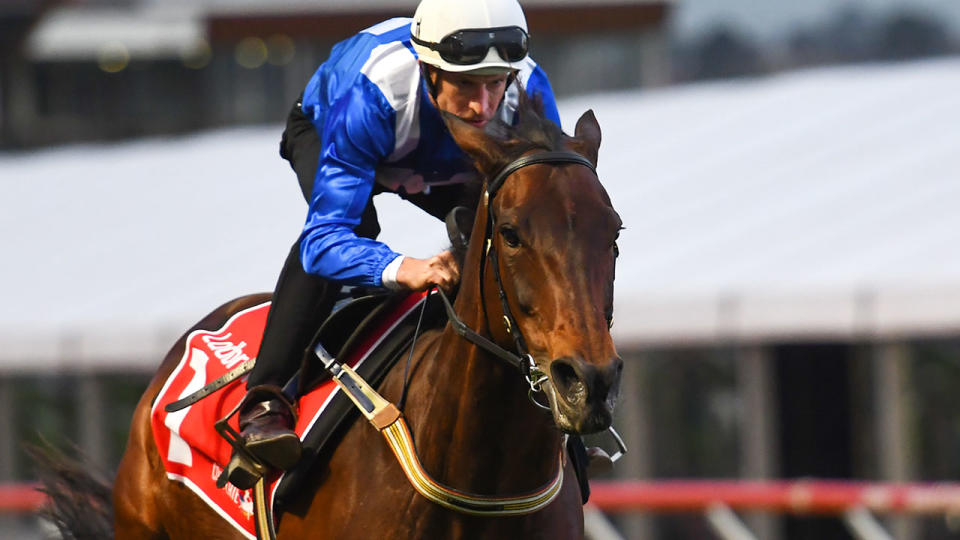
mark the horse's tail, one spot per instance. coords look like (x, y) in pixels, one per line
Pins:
(80, 498)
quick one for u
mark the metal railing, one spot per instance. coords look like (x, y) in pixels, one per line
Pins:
(854, 502)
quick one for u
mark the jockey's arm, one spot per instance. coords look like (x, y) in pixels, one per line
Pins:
(357, 134)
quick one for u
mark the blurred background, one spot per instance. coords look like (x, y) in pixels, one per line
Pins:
(788, 294)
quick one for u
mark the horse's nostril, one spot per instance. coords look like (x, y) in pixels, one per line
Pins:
(567, 382)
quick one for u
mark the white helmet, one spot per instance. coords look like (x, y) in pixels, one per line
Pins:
(481, 36)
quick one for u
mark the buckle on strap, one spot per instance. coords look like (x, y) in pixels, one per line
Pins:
(210, 387)
(468, 334)
(535, 377)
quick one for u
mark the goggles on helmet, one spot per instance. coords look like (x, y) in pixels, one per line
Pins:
(466, 47)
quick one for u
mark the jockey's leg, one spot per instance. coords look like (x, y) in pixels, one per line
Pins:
(301, 146)
(301, 302)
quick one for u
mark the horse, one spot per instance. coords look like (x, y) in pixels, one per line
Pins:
(538, 273)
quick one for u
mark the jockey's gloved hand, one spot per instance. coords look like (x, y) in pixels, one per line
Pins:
(420, 274)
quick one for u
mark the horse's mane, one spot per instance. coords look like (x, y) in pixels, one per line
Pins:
(531, 130)
(505, 142)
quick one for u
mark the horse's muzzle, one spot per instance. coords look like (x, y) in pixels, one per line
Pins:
(582, 394)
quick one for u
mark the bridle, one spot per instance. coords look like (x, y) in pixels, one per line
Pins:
(522, 360)
(389, 420)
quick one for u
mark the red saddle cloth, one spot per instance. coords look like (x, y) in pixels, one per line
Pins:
(193, 453)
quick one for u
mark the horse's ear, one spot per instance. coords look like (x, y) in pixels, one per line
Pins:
(475, 142)
(586, 139)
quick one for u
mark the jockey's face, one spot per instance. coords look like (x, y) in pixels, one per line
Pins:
(474, 98)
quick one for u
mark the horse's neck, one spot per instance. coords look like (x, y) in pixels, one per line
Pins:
(475, 426)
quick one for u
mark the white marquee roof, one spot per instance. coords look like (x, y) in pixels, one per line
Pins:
(71, 33)
(807, 205)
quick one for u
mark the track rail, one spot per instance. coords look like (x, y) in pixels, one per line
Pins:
(20, 498)
(793, 497)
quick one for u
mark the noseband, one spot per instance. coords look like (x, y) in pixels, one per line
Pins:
(522, 359)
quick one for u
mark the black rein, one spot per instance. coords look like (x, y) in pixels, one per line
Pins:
(521, 359)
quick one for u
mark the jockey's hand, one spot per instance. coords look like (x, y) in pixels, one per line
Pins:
(420, 274)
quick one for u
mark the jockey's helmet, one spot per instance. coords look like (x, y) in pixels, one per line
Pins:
(478, 36)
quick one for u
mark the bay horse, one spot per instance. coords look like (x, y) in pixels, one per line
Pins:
(551, 253)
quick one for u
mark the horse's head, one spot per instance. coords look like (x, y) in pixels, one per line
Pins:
(553, 232)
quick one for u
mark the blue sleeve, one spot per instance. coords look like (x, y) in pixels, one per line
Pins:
(540, 85)
(357, 133)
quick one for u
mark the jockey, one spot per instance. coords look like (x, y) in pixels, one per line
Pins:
(369, 122)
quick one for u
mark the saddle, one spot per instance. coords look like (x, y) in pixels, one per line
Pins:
(349, 329)
(369, 334)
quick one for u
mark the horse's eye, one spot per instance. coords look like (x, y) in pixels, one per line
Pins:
(510, 236)
(616, 250)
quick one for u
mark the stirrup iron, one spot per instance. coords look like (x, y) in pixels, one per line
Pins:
(621, 447)
(243, 471)
(243, 466)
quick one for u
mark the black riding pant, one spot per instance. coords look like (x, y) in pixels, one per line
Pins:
(302, 301)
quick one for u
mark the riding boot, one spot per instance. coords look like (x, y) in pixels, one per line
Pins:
(266, 423)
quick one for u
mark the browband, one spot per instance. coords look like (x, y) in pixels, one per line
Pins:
(542, 157)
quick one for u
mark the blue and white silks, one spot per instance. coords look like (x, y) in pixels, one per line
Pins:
(377, 124)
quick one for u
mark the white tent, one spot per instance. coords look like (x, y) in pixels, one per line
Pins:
(812, 204)
(818, 203)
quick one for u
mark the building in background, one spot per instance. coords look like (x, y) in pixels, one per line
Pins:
(835, 185)
(787, 295)
(17, 18)
(106, 71)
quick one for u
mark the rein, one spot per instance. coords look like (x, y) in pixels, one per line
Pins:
(522, 360)
(493, 187)
(527, 366)
(388, 419)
